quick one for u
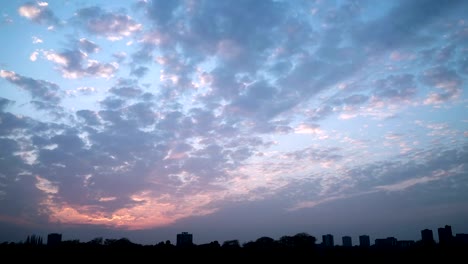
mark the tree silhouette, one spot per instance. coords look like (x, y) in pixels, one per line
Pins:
(97, 241)
(291, 249)
(231, 244)
(261, 243)
(298, 241)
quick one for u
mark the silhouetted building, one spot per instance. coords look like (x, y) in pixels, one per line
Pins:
(364, 241)
(212, 245)
(405, 243)
(33, 240)
(327, 240)
(347, 241)
(445, 235)
(461, 239)
(427, 238)
(386, 242)
(184, 239)
(54, 239)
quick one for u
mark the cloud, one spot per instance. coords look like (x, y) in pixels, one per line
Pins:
(45, 185)
(196, 42)
(90, 118)
(6, 19)
(380, 98)
(120, 56)
(37, 40)
(311, 204)
(463, 66)
(143, 113)
(83, 90)
(33, 56)
(106, 70)
(308, 129)
(355, 99)
(394, 136)
(421, 173)
(76, 64)
(55, 110)
(45, 95)
(112, 103)
(448, 81)
(260, 100)
(386, 33)
(4, 103)
(239, 43)
(162, 11)
(39, 13)
(139, 71)
(21, 191)
(86, 89)
(112, 25)
(419, 167)
(12, 123)
(18, 185)
(88, 46)
(39, 89)
(319, 113)
(144, 54)
(126, 91)
(313, 154)
(436, 175)
(396, 88)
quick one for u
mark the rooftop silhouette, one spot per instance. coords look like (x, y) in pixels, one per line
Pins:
(286, 248)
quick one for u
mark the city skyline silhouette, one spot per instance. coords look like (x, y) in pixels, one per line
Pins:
(298, 247)
(444, 234)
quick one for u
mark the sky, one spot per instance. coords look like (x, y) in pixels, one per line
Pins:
(233, 119)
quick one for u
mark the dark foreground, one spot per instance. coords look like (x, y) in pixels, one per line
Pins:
(87, 253)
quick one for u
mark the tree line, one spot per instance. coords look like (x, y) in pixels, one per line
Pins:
(287, 248)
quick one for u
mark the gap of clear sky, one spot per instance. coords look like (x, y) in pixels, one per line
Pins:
(232, 119)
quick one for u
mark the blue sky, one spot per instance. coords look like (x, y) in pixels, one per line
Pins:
(232, 119)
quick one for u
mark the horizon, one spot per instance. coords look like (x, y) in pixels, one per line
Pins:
(233, 119)
(319, 238)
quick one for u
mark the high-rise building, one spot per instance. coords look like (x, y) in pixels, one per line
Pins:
(445, 235)
(427, 237)
(327, 240)
(364, 241)
(386, 242)
(405, 243)
(184, 239)
(54, 239)
(347, 241)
